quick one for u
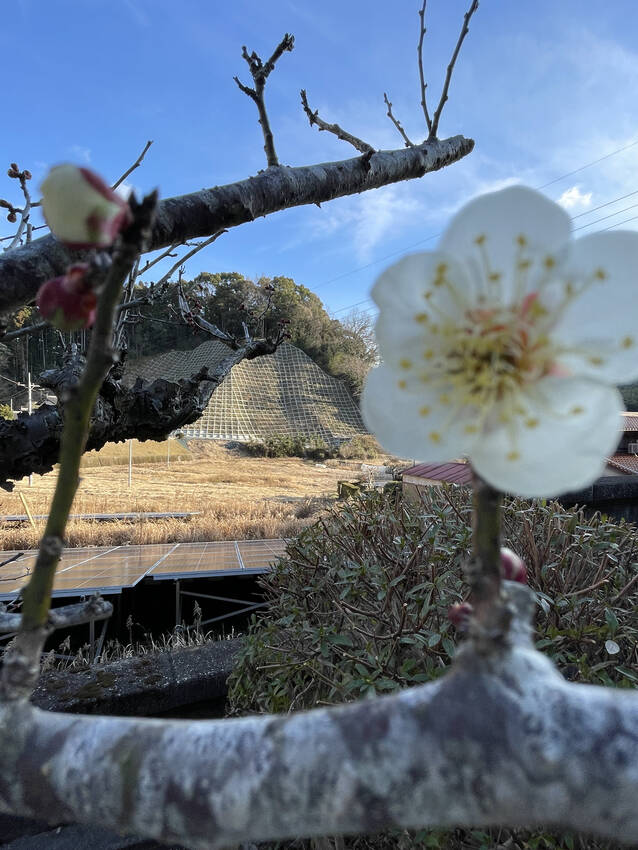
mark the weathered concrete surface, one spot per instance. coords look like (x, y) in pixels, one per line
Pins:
(141, 686)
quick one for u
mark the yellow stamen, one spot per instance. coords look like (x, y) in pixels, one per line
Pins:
(404, 363)
(435, 436)
(513, 455)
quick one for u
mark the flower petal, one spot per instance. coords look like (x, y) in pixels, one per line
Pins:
(413, 424)
(402, 288)
(416, 296)
(572, 425)
(495, 233)
(599, 328)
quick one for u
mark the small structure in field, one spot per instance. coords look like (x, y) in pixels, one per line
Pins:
(433, 475)
(282, 394)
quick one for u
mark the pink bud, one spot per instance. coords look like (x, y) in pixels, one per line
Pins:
(512, 567)
(66, 302)
(81, 210)
(459, 615)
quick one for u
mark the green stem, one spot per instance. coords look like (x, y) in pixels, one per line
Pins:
(77, 415)
(486, 529)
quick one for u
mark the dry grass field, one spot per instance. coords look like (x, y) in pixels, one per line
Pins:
(238, 497)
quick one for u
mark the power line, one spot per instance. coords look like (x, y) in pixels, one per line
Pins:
(607, 204)
(435, 235)
(588, 165)
(600, 230)
(611, 215)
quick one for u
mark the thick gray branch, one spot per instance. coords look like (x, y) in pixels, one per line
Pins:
(502, 739)
(203, 213)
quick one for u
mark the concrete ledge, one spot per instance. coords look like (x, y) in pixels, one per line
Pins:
(143, 685)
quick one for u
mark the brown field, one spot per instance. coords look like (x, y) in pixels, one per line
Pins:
(238, 497)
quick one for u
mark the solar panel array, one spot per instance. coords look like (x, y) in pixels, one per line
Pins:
(108, 570)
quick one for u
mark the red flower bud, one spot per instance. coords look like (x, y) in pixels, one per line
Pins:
(81, 210)
(27, 174)
(14, 166)
(67, 302)
(459, 615)
(12, 217)
(512, 567)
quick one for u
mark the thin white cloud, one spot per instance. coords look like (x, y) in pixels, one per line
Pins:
(79, 152)
(124, 190)
(574, 199)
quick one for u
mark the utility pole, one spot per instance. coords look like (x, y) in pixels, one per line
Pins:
(29, 408)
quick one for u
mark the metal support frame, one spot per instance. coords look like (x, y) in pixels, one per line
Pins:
(95, 647)
(249, 606)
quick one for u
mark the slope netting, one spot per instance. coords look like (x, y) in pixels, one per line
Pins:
(284, 393)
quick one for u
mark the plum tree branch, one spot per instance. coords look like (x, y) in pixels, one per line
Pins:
(135, 165)
(499, 739)
(335, 129)
(203, 213)
(434, 127)
(260, 72)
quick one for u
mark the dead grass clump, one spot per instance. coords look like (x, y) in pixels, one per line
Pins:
(235, 497)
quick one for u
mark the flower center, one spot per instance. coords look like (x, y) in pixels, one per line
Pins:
(489, 357)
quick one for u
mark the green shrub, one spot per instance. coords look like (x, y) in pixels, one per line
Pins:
(361, 447)
(359, 607)
(6, 412)
(295, 445)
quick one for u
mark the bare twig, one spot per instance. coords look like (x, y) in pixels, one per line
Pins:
(198, 247)
(169, 252)
(397, 123)
(424, 85)
(200, 322)
(135, 165)
(446, 85)
(25, 212)
(259, 72)
(335, 129)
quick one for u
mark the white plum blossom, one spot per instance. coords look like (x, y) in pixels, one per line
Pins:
(81, 210)
(506, 346)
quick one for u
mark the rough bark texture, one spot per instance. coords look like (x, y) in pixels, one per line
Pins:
(501, 739)
(146, 411)
(23, 270)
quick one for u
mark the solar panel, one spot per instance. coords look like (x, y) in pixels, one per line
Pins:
(109, 569)
(258, 555)
(106, 569)
(197, 559)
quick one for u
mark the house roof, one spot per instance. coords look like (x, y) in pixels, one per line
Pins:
(461, 473)
(625, 463)
(630, 420)
(454, 473)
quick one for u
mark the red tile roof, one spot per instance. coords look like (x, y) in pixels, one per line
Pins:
(630, 420)
(454, 473)
(625, 463)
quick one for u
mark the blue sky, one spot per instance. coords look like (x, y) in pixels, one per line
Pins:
(542, 87)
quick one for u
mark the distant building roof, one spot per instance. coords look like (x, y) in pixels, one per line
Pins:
(630, 418)
(454, 473)
(625, 463)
